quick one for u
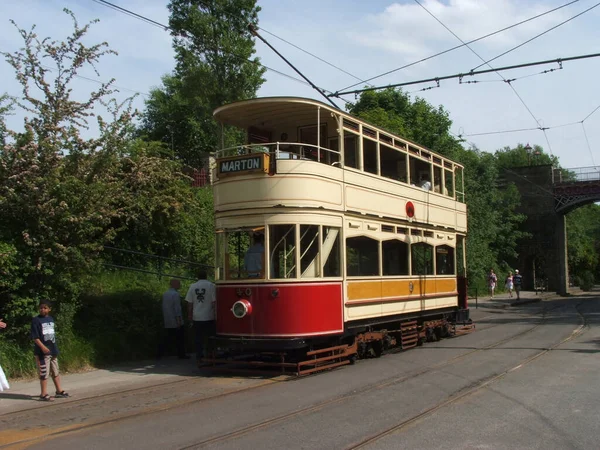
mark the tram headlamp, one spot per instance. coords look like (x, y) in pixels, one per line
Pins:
(241, 309)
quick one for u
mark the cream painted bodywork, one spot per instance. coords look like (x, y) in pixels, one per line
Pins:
(360, 203)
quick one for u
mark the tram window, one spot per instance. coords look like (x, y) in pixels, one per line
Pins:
(350, 150)
(444, 260)
(422, 259)
(282, 251)
(362, 256)
(449, 190)
(220, 256)
(460, 195)
(310, 265)
(330, 249)
(420, 171)
(370, 156)
(395, 257)
(393, 163)
(332, 157)
(437, 179)
(238, 245)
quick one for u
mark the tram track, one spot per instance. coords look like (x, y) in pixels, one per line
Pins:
(117, 417)
(472, 390)
(382, 384)
(263, 424)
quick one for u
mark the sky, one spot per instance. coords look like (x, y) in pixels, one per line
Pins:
(365, 39)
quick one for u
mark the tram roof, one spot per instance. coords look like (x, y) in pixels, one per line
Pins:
(271, 112)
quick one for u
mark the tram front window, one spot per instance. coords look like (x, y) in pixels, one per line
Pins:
(242, 253)
(282, 253)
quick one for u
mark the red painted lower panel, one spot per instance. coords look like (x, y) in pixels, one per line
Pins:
(281, 310)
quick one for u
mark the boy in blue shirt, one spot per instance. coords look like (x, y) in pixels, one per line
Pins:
(46, 351)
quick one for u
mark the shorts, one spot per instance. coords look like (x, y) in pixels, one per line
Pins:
(47, 364)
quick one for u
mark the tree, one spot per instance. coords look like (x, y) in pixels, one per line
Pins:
(583, 237)
(64, 196)
(213, 51)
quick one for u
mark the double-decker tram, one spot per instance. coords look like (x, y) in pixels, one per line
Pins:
(335, 239)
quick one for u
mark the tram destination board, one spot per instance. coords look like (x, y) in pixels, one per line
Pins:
(243, 164)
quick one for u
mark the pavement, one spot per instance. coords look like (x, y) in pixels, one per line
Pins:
(23, 395)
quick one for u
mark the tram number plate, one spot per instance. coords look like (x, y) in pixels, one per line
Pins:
(254, 163)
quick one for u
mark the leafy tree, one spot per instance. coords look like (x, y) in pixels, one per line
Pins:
(213, 51)
(63, 196)
(518, 157)
(583, 240)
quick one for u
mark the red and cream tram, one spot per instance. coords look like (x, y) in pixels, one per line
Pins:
(335, 238)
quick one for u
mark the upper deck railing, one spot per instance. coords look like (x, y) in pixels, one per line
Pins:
(310, 152)
(283, 150)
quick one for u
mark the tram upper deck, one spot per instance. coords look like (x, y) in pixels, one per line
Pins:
(301, 153)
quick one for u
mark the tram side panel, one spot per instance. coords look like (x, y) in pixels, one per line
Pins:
(280, 310)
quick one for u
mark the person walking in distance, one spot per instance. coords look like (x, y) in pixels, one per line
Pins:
(201, 298)
(492, 280)
(517, 281)
(173, 321)
(509, 284)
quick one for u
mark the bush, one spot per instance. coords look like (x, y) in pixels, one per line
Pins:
(121, 318)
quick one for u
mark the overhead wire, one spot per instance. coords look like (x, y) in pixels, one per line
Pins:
(588, 143)
(311, 54)
(536, 36)
(167, 28)
(132, 14)
(460, 46)
(481, 58)
(462, 75)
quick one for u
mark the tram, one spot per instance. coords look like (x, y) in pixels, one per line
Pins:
(335, 239)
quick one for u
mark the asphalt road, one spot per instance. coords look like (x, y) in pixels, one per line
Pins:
(526, 378)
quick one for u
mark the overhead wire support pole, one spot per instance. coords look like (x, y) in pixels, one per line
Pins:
(255, 33)
(467, 74)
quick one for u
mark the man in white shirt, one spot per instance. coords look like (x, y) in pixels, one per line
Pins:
(173, 321)
(201, 298)
(425, 183)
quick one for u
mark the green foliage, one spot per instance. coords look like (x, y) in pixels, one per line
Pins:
(214, 66)
(520, 156)
(121, 316)
(583, 240)
(64, 197)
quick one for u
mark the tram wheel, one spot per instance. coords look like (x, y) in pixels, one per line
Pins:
(377, 347)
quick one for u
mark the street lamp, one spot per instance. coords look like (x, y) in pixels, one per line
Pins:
(528, 150)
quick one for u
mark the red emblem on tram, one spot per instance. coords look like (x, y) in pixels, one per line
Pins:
(410, 209)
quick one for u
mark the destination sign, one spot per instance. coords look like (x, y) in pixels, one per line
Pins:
(250, 163)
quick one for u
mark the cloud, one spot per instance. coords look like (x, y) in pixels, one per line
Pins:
(408, 30)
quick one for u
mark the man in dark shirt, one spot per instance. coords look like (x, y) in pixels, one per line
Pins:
(46, 350)
(517, 281)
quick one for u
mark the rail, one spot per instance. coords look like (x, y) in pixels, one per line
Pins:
(284, 150)
(591, 173)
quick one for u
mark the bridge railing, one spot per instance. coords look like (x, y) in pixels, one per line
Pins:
(574, 175)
